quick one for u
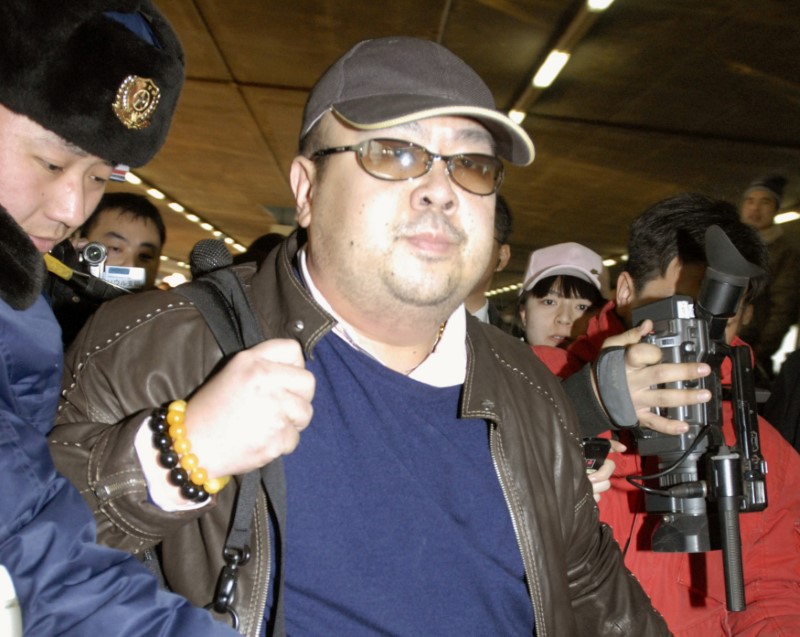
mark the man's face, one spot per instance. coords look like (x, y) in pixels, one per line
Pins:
(395, 247)
(131, 241)
(758, 209)
(47, 185)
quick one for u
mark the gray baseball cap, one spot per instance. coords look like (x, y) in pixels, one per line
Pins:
(395, 80)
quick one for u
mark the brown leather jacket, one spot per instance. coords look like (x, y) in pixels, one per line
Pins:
(139, 352)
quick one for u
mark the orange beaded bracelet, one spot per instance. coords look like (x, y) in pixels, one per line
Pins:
(169, 437)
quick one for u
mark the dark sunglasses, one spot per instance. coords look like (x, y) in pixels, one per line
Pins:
(398, 160)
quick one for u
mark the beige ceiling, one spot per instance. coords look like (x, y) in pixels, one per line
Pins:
(660, 96)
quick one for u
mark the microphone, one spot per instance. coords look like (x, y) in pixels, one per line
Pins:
(87, 285)
(208, 255)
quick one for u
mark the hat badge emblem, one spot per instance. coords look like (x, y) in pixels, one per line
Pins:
(136, 101)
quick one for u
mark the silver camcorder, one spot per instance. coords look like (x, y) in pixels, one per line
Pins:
(94, 256)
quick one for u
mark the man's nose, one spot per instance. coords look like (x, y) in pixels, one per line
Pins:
(68, 203)
(436, 188)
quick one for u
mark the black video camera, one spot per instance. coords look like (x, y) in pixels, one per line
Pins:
(697, 467)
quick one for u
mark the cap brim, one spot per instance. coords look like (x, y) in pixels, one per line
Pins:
(561, 270)
(372, 113)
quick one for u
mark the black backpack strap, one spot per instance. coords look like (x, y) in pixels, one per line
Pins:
(221, 298)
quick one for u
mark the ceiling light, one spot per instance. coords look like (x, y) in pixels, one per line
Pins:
(176, 206)
(155, 194)
(239, 247)
(785, 217)
(229, 241)
(175, 279)
(206, 226)
(132, 179)
(598, 5)
(550, 69)
(609, 262)
(516, 116)
(193, 218)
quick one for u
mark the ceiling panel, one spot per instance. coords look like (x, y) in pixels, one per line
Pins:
(659, 97)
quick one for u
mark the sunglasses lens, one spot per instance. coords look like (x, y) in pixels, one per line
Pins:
(479, 174)
(397, 160)
(393, 159)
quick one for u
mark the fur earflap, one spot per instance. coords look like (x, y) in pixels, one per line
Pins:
(105, 75)
(23, 271)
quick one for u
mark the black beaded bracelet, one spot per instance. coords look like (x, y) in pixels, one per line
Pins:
(170, 459)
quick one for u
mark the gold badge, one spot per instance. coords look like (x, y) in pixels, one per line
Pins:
(137, 98)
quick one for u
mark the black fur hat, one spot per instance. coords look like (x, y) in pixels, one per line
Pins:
(105, 75)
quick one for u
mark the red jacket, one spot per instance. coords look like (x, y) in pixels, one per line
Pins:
(689, 589)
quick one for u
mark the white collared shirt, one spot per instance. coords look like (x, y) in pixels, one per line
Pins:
(444, 367)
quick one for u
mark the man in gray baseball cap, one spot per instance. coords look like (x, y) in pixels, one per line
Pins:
(422, 473)
(84, 86)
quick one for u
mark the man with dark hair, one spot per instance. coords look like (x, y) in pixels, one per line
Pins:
(412, 470)
(778, 309)
(477, 303)
(131, 228)
(67, 73)
(666, 256)
(672, 231)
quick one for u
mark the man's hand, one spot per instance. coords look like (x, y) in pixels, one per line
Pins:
(644, 370)
(253, 410)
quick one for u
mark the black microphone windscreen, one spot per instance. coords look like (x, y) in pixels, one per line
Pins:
(208, 255)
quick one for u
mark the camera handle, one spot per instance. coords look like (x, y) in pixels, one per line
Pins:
(726, 489)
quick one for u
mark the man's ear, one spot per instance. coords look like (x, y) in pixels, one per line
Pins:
(625, 291)
(301, 176)
(503, 255)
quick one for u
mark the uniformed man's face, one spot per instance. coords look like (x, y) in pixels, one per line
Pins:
(47, 185)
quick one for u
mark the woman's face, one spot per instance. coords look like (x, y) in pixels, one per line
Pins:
(555, 320)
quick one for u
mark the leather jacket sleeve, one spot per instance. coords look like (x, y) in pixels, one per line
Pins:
(577, 579)
(109, 392)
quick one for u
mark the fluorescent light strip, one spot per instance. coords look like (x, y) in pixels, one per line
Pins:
(155, 193)
(516, 116)
(549, 71)
(786, 217)
(598, 5)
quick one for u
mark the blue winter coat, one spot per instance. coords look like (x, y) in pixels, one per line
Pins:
(66, 583)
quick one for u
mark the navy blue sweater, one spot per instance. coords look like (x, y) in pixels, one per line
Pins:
(396, 522)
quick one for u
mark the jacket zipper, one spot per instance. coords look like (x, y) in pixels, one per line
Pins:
(538, 613)
(268, 547)
(107, 491)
